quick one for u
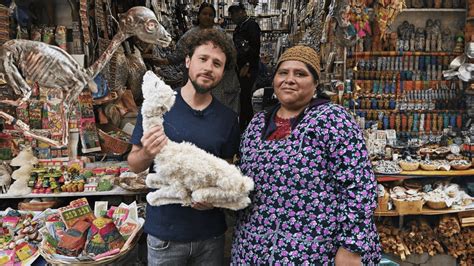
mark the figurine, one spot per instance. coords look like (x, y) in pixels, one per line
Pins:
(420, 39)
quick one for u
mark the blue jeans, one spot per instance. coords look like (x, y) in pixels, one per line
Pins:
(205, 252)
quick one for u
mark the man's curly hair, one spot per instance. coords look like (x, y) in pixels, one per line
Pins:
(216, 37)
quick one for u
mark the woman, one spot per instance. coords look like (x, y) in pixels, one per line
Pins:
(315, 192)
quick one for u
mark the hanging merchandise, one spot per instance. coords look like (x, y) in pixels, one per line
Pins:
(385, 12)
(84, 21)
(338, 23)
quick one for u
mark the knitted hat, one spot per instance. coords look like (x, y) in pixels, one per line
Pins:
(303, 54)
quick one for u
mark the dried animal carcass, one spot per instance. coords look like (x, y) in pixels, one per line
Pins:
(52, 67)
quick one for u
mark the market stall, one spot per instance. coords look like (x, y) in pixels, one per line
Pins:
(403, 68)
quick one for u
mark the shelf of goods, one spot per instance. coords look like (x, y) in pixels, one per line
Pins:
(424, 211)
(434, 10)
(117, 191)
(404, 91)
(423, 174)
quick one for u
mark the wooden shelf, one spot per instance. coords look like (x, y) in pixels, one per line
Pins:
(422, 174)
(400, 53)
(264, 31)
(117, 191)
(434, 10)
(470, 19)
(424, 211)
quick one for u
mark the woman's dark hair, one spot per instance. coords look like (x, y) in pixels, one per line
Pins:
(216, 37)
(201, 8)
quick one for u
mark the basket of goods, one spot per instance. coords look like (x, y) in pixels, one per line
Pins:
(409, 164)
(76, 235)
(382, 198)
(460, 164)
(452, 157)
(19, 237)
(113, 140)
(437, 199)
(407, 201)
(387, 167)
(428, 165)
(133, 182)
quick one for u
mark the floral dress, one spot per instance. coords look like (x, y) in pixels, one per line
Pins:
(314, 192)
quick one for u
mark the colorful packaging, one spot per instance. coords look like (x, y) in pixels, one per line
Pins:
(103, 236)
(77, 210)
(74, 239)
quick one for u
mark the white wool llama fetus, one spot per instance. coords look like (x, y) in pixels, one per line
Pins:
(184, 172)
(25, 160)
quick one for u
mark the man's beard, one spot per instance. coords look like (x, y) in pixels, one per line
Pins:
(200, 89)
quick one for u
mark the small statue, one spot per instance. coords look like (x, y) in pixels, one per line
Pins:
(459, 46)
(420, 39)
(447, 40)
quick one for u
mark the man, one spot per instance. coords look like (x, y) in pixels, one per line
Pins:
(180, 235)
(247, 43)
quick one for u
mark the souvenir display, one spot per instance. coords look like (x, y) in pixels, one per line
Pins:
(76, 234)
(19, 237)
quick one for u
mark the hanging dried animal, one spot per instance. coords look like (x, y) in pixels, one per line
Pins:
(52, 67)
(338, 23)
(386, 11)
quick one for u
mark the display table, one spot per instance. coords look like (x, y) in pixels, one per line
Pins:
(116, 191)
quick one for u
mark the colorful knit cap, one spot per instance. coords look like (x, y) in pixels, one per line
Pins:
(303, 54)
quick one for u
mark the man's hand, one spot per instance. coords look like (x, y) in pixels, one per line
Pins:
(202, 206)
(153, 141)
(347, 258)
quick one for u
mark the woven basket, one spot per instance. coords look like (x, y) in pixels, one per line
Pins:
(408, 207)
(382, 203)
(36, 206)
(124, 251)
(437, 205)
(461, 166)
(110, 144)
(429, 167)
(409, 166)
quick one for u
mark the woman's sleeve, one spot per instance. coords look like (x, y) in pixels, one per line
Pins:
(356, 187)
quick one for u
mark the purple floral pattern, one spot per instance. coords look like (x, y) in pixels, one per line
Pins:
(314, 192)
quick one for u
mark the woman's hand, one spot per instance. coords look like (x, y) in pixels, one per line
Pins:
(347, 258)
(153, 141)
(202, 206)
